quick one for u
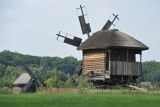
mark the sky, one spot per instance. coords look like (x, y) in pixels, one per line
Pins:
(30, 26)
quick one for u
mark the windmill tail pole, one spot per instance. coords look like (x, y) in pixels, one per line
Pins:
(137, 88)
(88, 34)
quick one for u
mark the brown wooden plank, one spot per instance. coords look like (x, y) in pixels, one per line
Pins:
(94, 54)
(94, 58)
(94, 62)
(93, 65)
(93, 70)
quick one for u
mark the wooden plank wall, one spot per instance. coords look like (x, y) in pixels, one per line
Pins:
(125, 68)
(93, 61)
(16, 90)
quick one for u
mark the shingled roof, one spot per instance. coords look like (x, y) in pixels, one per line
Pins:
(111, 39)
(24, 78)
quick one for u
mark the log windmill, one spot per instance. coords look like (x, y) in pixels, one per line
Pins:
(109, 56)
(27, 82)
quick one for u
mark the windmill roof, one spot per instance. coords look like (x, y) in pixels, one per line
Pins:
(22, 79)
(111, 39)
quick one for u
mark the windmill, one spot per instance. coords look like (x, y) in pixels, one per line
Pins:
(109, 56)
(85, 27)
(27, 82)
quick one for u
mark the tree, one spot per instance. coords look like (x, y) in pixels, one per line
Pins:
(54, 82)
(70, 84)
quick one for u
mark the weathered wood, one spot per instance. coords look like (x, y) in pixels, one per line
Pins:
(93, 64)
(88, 70)
(137, 88)
(92, 56)
(16, 90)
(125, 68)
(93, 60)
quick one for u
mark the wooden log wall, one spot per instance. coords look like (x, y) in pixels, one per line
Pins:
(16, 90)
(93, 61)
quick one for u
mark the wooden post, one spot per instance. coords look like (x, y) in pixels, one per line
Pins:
(109, 62)
(141, 63)
(122, 78)
(140, 56)
(127, 65)
(127, 55)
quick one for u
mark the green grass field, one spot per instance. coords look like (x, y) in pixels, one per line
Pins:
(100, 99)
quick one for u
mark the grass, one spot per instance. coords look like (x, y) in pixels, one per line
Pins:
(82, 98)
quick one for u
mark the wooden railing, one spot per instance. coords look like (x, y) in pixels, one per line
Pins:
(125, 68)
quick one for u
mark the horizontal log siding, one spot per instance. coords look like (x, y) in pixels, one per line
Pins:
(93, 61)
(125, 68)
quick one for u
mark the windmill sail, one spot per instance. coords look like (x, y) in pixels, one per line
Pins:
(109, 23)
(39, 74)
(25, 88)
(28, 70)
(34, 78)
(75, 41)
(84, 26)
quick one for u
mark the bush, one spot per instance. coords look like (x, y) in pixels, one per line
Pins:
(5, 90)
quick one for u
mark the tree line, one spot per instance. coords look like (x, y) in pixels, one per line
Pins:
(60, 70)
(58, 74)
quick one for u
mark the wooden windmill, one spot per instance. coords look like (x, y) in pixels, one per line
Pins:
(27, 82)
(109, 55)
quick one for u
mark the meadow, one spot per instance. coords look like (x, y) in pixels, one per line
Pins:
(82, 98)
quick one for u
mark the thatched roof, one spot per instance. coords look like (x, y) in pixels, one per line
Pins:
(24, 78)
(112, 38)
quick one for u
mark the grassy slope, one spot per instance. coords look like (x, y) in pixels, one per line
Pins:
(80, 100)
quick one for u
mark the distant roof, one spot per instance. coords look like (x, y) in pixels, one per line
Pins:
(111, 39)
(22, 79)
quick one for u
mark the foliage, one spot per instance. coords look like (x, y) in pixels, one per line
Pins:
(10, 66)
(60, 70)
(70, 84)
(54, 82)
(150, 72)
(5, 90)
(82, 82)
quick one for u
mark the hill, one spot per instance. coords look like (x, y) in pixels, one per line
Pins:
(60, 69)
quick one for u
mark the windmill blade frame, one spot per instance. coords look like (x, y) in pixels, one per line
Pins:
(25, 88)
(76, 41)
(109, 23)
(34, 78)
(38, 75)
(85, 27)
(28, 70)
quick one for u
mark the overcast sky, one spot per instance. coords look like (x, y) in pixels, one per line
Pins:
(30, 26)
